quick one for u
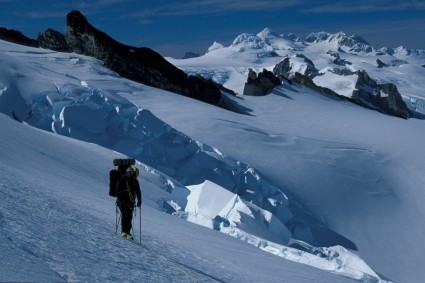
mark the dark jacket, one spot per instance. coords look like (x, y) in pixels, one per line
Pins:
(128, 189)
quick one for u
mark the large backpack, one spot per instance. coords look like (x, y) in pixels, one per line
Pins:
(114, 174)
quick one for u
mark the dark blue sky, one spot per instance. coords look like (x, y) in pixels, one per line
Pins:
(174, 27)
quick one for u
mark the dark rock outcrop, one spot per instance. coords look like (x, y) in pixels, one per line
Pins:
(136, 63)
(54, 40)
(381, 64)
(260, 85)
(283, 69)
(139, 64)
(16, 37)
(337, 59)
(342, 72)
(385, 97)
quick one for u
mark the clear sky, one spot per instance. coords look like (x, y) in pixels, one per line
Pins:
(175, 27)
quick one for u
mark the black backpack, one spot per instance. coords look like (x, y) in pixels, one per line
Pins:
(114, 174)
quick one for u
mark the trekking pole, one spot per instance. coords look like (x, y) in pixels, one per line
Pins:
(132, 220)
(140, 224)
(116, 219)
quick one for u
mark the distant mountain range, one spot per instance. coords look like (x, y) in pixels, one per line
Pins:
(345, 67)
(389, 80)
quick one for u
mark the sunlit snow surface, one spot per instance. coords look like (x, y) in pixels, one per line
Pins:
(301, 168)
(229, 65)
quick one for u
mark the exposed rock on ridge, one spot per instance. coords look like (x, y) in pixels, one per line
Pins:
(139, 64)
(16, 37)
(54, 40)
(384, 98)
(260, 85)
(284, 69)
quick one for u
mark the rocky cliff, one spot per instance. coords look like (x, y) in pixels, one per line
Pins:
(136, 63)
(139, 64)
(54, 40)
(261, 84)
(384, 97)
(16, 37)
(367, 92)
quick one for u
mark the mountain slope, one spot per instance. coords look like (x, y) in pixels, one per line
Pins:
(358, 170)
(57, 223)
(355, 171)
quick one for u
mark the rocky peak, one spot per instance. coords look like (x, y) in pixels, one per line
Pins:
(260, 85)
(215, 46)
(317, 37)
(381, 64)
(355, 42)
(136, 63)
(139, 64)
(16, 37)
(287, 68)
(249, 41)
(266, 33)
(54, 40)
(83, 38)
(384, 97)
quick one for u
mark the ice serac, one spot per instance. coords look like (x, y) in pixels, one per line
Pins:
(213, 206)
(140, 64)
(99, 117)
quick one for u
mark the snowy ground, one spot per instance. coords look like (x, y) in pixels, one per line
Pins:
(357, 172)
(58, 224)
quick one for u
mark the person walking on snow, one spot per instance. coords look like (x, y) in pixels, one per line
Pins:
(128, 189)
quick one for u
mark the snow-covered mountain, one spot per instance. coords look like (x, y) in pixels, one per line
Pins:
(347, 65)
(307, 177)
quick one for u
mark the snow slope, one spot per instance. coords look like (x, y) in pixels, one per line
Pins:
(57, 224)
(305, 167)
